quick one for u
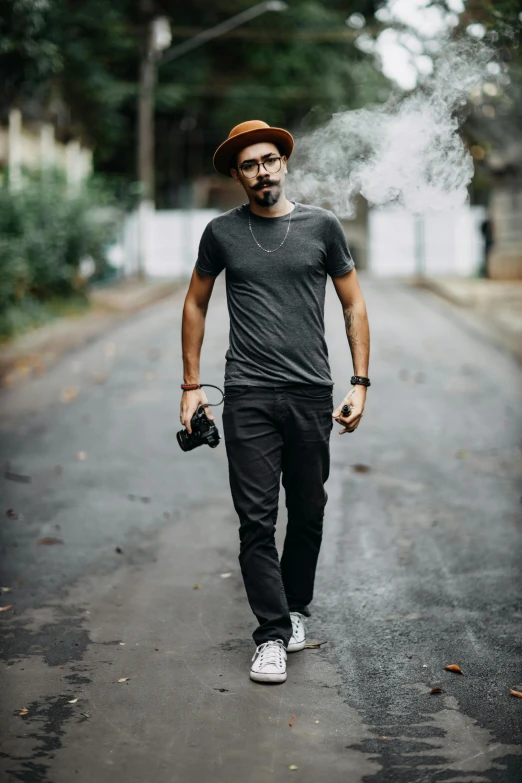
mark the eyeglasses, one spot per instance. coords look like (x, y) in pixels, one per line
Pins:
(251, 169)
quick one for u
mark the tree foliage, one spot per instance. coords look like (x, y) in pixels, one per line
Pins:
(45, 232)
(78, 62)
(493, 127)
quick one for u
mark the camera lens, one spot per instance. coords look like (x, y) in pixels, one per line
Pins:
(183, 440)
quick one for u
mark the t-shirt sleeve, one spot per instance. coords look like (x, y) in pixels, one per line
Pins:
(210, 261)
(339, 260)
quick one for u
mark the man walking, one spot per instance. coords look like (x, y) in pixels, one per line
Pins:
(278, 411)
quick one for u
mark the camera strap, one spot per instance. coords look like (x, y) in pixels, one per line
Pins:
(213, 404)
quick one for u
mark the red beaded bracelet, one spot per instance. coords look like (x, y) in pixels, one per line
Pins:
(190, 386)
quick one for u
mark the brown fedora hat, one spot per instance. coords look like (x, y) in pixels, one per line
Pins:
(246, 133)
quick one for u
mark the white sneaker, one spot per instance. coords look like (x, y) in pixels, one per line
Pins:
(269, 662)
(298, 638)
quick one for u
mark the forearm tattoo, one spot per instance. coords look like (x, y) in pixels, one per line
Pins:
(349, 321)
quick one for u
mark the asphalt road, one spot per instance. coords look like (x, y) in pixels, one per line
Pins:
(420, 568)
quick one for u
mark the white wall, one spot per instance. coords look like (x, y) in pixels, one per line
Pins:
(169, 241)
(453, 243)
(444, 243)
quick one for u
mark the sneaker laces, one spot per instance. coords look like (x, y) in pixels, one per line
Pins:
(270, 653)
(296, 618)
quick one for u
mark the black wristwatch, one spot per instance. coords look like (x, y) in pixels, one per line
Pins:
(358, 379)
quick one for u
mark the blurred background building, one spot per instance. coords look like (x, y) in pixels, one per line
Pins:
(32, 146)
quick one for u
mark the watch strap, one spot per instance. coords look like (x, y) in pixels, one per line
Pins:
(360, 380)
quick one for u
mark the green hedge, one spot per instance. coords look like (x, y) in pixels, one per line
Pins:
(44, 234)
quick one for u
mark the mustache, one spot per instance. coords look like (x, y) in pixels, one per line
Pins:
(263, 183)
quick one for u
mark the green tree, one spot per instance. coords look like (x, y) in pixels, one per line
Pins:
(493, 126)
(79, 63)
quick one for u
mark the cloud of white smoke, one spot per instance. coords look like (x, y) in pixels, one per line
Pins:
(406, 152)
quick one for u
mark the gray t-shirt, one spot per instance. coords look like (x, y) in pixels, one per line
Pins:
(276, 300)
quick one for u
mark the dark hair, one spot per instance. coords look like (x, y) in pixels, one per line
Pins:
(233, 159)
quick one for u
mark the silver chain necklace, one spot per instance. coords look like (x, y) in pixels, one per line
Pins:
(282, 243)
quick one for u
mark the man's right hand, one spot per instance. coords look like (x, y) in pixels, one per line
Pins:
(190, 401)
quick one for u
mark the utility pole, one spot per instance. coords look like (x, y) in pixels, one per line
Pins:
(157, 39)
(146, 120)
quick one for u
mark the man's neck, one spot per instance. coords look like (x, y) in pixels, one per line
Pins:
(280, 208)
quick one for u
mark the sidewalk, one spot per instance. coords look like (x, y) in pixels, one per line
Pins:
(32, 353)
(491, 307)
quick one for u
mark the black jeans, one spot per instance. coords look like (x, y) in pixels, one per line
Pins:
(269, 433)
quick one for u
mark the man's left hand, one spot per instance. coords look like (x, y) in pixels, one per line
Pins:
(356, 399)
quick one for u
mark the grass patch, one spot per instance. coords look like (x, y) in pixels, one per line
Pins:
(29, 314)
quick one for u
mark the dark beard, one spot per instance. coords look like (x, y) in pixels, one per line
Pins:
(267, 198)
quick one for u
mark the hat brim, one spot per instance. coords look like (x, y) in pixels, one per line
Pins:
(226, 151)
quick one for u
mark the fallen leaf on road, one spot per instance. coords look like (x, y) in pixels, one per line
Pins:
(436, 690)
(5, 608)
(518, 694)
(119, 550)
(293, 767)
(383, 736)
(21, 478)
(461, 453)
(6, 589)
(454, 667)
(11, 514)
(73, 701)
(81, 456)
(86, 714)
(23, 711)
(225, 576)
(62, 667)
(49, 540)
(123, 679)
(314, 644)
(69, 393)
(292, 720)
(358, 468)
(196, 587)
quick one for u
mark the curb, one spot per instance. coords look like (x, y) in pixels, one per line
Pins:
(481, 323)
(31, 354)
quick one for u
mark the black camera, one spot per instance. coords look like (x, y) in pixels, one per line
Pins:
(203, 431)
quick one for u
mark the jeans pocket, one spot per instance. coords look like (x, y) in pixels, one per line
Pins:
(233, 392)
(313, 392)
